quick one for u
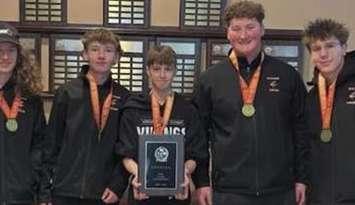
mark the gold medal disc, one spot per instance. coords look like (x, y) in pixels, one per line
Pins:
(11, 125)
(248, 110)
(326, 135)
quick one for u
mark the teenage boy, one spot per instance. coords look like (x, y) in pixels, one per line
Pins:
(83, 128)
(160, 111)
(23, 178)
(253, 106)
(331, 107)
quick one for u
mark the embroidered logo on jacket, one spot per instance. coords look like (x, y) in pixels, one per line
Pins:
(273, 84)
(351, 96)
(21, 108)
(114, 103)
(175, 126)
(170, 130)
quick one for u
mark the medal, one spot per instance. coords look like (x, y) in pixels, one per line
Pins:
(248, 91)
(11, 125)
(326, 135)
(248, 110)
(326, 98)
(11, 112)
(100, 115)
(160, 122)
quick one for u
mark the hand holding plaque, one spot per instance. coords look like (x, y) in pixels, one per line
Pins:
(185, 188)
(136, 189)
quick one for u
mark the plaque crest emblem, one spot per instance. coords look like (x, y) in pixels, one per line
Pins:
(161, 154)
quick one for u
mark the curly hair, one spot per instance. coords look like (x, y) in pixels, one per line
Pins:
(27, 74)
(103, 36)
(322, 29)
(244, 9)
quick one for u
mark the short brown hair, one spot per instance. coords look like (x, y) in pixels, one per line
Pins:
(163, 55)
(102, 36)
(322, 29)
(244, 9)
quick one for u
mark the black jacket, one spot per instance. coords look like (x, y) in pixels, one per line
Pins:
(83, 166)
(137, 120)
(22, 174)
(333, 164)
(262, 154)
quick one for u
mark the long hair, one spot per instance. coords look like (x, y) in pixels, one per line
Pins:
(27, 73)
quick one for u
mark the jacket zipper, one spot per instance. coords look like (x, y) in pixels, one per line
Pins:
(257, 192)
(333, 156)
(83, 185)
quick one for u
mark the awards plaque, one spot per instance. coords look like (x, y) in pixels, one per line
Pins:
(161, 164)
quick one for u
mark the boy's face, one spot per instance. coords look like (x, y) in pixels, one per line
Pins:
(8, 57)
(101, 56)
(244, 34)
(161, 76)
(327, 55)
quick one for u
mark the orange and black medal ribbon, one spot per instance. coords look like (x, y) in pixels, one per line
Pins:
(248, 91)
(326, 99)
(100, 116)
(11, 113)
(159, 121)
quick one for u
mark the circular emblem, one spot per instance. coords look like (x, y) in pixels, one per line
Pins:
(11, 125)
(161, 154)
(248, 110)
(326, 135)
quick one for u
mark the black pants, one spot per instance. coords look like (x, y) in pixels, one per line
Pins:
(63, 200)
(283, 198)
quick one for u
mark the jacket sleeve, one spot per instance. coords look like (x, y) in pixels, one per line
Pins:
(201, 100)
(119, 179)
(301, 132)
(38, 151)
(55, 130)
(196, 147)
(120, 175)
(127, 145)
